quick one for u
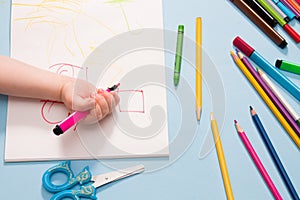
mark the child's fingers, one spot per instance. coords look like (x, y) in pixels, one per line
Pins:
(116, 98)
(110, 99)
(113, 93)
(94, 116)
(83, 104)
(103, 104)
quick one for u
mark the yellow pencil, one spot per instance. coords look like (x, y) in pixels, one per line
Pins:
(267, 100)
(198, 67)
(221, 157)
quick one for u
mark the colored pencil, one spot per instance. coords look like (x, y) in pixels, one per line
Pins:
(266, 99)
(257, 162)
(273, 154)
(221, 157)
(279, 96)
(198, 67)
(270, 94)
(273, 72)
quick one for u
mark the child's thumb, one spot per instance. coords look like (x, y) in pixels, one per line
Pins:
(83, 104)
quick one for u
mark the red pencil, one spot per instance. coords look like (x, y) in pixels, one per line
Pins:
(257, 162)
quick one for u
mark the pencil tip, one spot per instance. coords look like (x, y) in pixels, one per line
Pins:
(198, 113)
(239, 54)
(259, 71)
(233, 56)
(235, 121)
(212, 117)
(252, 111)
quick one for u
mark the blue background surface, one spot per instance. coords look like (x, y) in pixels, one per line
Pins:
(191, 176)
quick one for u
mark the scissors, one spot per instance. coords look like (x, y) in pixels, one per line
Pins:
(87, 182)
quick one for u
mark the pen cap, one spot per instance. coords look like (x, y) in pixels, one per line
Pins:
(243, 46)
(278, 63)
(292, 33)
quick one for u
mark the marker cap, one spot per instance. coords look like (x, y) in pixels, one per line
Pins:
(57, 130)
(243, 46)
(278, 63)
(292, 33)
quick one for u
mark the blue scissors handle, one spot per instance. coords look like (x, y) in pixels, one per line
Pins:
(86, 191)
(83, 177)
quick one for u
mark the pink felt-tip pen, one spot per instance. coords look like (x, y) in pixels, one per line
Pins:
(75, 117)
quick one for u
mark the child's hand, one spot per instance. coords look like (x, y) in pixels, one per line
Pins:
(104, 104)
(79, 95)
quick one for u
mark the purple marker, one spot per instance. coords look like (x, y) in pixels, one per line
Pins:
(75, 117)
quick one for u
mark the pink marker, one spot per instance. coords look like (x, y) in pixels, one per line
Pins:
(75, 117)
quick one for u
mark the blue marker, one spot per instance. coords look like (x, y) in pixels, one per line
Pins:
(267, 67)
(284, 9)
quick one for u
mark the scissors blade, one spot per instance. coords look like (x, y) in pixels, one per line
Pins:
(103, 179)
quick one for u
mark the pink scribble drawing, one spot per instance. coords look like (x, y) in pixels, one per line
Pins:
(141, 102)
(48, 105)
(65, 69)
(45, 111)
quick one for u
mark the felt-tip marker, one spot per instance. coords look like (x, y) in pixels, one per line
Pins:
(75, 117)
(261, 12)
(267, 67)
(260, 23)
(288, 5)
(288, 66)
(284, 9)
(288, 29)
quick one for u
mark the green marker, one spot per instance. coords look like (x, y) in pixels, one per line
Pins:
(272, 12)
(178, 54)
(287, 66)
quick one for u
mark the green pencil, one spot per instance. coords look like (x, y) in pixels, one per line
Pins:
(288, 66)
(178, 54)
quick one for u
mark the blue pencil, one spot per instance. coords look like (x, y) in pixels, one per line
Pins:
(274, 155)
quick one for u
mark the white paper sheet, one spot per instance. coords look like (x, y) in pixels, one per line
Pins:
(59, 36)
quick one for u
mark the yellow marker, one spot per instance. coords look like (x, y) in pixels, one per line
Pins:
(221, 157)
(266, 99)
(198, 67)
